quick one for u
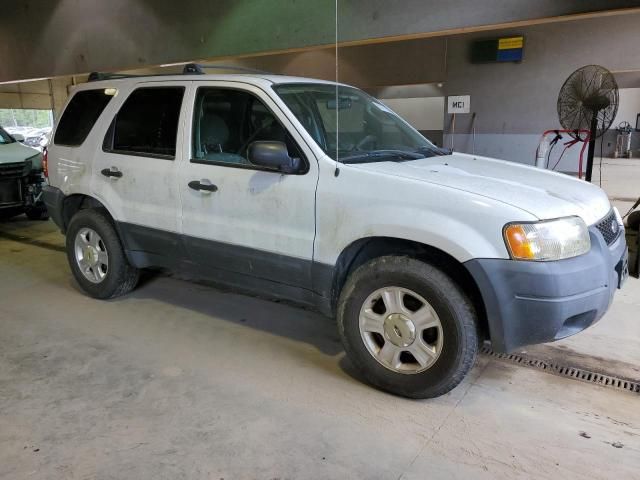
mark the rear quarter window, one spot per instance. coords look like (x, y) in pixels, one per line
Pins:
(80, 116)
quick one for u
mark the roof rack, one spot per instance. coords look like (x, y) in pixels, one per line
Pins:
(189, 69)
(97, 76)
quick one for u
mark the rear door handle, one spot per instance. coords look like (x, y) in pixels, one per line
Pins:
(204, 187)
(112, 172)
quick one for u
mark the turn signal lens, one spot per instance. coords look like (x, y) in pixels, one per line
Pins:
(547, 240)
(517, 241)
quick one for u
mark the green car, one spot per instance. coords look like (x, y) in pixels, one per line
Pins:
(21, 179)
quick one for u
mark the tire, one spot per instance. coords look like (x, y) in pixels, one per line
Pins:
(119, 277)
(456, 337)
(39, 212)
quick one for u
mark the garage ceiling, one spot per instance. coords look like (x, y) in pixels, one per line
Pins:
(41, 38)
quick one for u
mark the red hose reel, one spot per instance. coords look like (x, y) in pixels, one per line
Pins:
(576, 137)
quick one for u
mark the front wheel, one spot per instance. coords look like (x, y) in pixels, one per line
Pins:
(407, 327)
(96, 256)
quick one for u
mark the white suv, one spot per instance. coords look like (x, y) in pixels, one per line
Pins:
(420, 254)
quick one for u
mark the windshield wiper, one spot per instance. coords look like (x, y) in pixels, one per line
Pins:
(382, 156)
(433, 151)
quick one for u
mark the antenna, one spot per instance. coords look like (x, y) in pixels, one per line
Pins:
(337, 170)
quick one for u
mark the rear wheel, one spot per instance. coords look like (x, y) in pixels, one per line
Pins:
(96, 256)
(407, 327)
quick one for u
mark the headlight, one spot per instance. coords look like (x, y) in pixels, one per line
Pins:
(547, 240)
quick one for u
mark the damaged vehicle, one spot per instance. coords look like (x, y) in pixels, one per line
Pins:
(21, 179)
(419, 253)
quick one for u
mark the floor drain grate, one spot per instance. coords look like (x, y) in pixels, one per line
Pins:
(566, 371)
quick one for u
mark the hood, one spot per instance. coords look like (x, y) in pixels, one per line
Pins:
(542, 193)
(17, 152)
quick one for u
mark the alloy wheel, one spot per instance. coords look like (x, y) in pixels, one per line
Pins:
(401, 330)
(91, 255)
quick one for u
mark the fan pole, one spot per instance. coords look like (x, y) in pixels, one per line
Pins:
(592, 145)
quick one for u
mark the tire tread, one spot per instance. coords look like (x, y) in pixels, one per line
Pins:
(466, 313)
(126, 276)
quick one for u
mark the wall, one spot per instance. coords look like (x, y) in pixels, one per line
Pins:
(423, 113)
(41, 94)
(30, 95)
(365, 66)
(43, 38)
(515, 103)
(628, 111)
(629, 106)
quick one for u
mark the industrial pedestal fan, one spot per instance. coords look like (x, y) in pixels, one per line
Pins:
(588, 100)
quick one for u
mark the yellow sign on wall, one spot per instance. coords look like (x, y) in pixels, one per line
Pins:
(510, 42)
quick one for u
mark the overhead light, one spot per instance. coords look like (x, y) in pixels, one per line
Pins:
(23, 81)
(177, 64)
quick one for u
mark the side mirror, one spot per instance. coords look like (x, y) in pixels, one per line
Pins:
(272, 155)
(18, 137)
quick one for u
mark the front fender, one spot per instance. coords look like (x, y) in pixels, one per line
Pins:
(476, 234)
(361, 204)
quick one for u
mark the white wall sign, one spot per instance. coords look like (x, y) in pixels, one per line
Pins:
(459, 104)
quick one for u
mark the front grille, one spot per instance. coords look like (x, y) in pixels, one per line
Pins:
(609, 228)
(14, 170)
(10, 192)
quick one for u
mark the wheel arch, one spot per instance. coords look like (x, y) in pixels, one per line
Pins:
(365, 249)
(79, 201)
(73, 203)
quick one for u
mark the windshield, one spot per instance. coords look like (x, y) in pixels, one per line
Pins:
(5, 137)
(368, 130)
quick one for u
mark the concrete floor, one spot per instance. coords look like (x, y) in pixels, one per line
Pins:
(612, 346)
(180, 380)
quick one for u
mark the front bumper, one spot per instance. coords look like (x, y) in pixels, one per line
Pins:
(20, 185)
(537, 302)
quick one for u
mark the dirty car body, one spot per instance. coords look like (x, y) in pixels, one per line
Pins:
(257, 189)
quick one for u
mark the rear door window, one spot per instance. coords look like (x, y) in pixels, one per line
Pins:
(80, 116)
(147, 123)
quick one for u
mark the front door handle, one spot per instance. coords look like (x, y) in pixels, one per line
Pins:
(112, 172)
(206, 187)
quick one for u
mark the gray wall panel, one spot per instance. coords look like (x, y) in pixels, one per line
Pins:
(518, 101)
